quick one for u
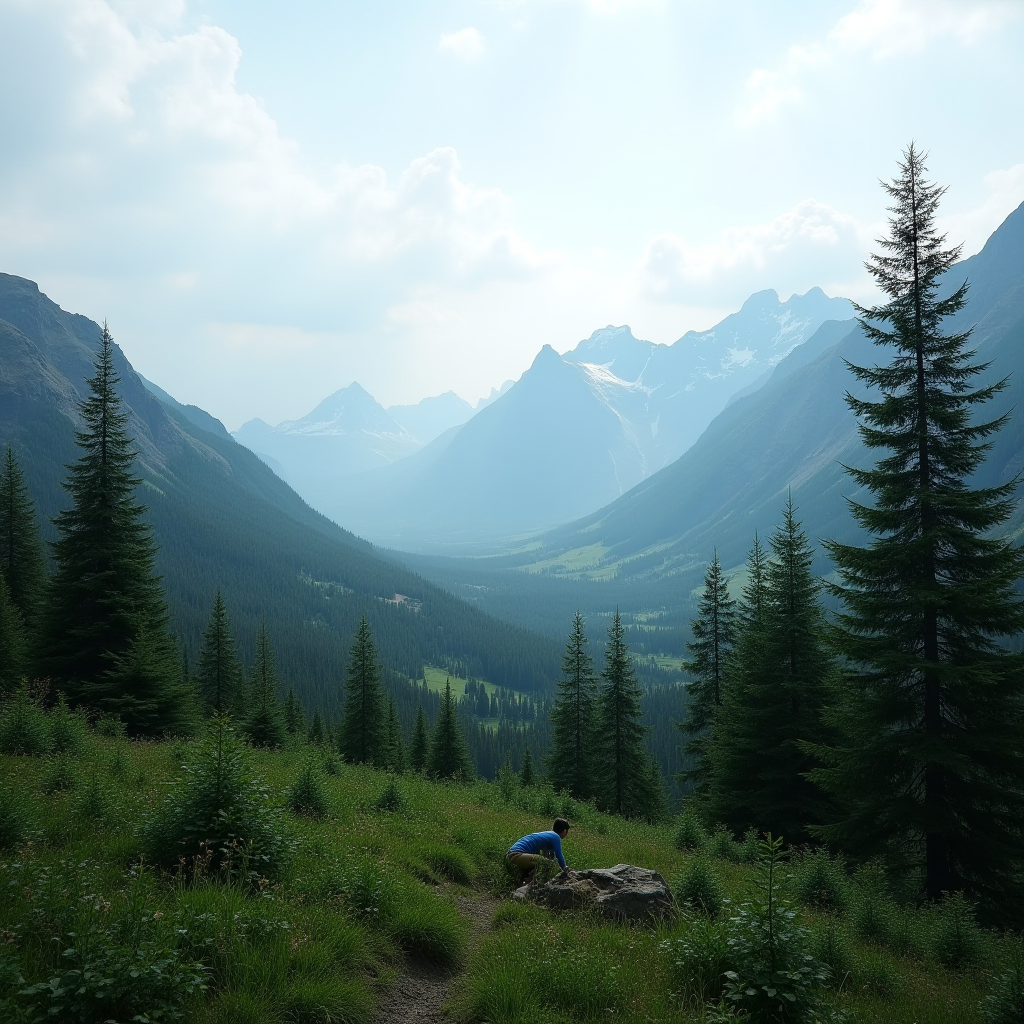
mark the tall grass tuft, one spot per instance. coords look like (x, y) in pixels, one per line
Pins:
(1004, 1003)
(699, 888)
(956, 940)
(15, 819)
(689, 833)
(821, 883)
(307, 794)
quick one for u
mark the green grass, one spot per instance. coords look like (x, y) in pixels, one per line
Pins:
(367, 886)
(437, 677)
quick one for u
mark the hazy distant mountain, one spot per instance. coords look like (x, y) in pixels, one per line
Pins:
(495, 394)
(575, 431)
(348, 432)
(794, 432)
(431, 416)
(224, 521)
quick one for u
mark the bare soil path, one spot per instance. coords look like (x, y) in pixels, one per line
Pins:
(421, 991)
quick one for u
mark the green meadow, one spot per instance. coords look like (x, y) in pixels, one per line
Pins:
(368, 872)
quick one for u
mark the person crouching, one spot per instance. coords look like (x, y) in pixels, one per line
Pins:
(528, 853)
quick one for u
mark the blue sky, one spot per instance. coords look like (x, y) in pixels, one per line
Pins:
(268, 201)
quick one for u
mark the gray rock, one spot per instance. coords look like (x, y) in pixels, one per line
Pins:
(622, 893)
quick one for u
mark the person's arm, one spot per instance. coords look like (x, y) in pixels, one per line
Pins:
(556, 845)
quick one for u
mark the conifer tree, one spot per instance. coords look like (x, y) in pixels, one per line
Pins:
(419, 749)
(571, 759)
(775, 700)
(294, 714)
(220, 670)
(526, 776)
(316, 729)
(12, 643)
(364, 727)
(622, 769)
(396, 751)
(449, 758)
(928, 769)
(264, 724)
(714, 633)
(21, 550)
(106, 639)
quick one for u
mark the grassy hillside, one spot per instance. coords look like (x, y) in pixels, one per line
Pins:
(397, 891)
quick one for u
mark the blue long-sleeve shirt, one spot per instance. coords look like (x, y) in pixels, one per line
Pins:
(537, 842)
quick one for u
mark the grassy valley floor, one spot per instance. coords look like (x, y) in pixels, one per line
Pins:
(394, 904)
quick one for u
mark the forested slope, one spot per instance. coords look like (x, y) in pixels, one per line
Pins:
(223, 519)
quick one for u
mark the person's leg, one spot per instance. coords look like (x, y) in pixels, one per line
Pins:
(525, 863)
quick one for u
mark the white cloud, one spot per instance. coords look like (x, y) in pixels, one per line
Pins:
(973, 227)
(466, 44)
(807, 245)
(881, 28)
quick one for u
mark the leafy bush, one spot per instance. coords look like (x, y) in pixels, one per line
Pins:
(700, 959)
(60, 776)
(449, 863)
(67, 728)
(689, 832)
(699, 888)
(956, 940)
(23, 725)
(307, 795)
(391, 798)
(774, 976)
(1004, 1003)
(218, 814)
(821, 882)
(14, 819)
(332, 764)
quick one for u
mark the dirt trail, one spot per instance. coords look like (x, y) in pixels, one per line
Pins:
(422, 989)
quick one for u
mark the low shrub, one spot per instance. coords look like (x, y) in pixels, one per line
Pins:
(700, 959)
(1004, 1003)
(218, 814)
(23, 725)
(751, 846)
(391, 799)
(831, 947)
(307, 794)
(119, 763)
(689, 833)
(449, 863)
(874, 972)
(723, 846)
(821, 882)
(774, 975)
(110, 726)
(61, 775)
(871, 907)
(698, 887)
(95, 801)
(956, 939)
(15, 820)
(332, 764)
(68, 729)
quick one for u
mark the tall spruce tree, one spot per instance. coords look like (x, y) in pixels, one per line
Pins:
(264, 724)
(775, 698)
(419, 748)
(449, 758)
(106, 639)
(220, 670)
(12, 643)
(364, 726)
(396, 749)
(928, 769)
(294, 714)
(622, 769)
(571, 758)
(21, 549)
(714, 633)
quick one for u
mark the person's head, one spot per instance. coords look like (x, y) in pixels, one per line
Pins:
(561, 826)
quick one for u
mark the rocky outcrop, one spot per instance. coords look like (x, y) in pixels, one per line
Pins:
(622, 893)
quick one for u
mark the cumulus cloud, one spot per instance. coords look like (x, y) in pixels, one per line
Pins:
(807, 245)
(882, 29)
(466, 44)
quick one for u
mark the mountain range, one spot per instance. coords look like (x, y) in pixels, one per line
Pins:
(573, 433)
(223, 520)
(793, 435)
